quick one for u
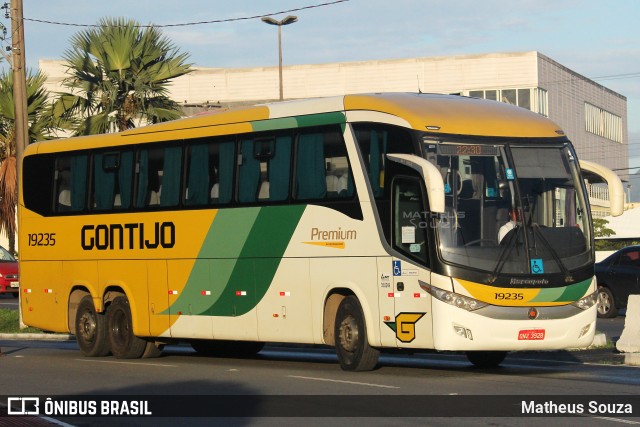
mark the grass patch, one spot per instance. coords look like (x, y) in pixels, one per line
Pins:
(10, 323)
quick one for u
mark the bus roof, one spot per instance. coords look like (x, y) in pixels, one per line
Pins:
(446, 114)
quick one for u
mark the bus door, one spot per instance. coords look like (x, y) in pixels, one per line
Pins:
(159, 321)
(412, 304)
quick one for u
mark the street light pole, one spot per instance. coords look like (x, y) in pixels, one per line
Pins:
(286, 21)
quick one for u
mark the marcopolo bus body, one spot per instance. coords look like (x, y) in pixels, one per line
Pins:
(364, 222)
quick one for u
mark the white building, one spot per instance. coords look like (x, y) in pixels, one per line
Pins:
(593, 117)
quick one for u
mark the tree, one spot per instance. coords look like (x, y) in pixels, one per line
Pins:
(40, 125)
(119, 76)
(600, 228)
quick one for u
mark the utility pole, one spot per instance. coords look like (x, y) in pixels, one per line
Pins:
(19, 96)
(19, 81)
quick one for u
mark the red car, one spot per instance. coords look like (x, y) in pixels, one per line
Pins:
(9, 282)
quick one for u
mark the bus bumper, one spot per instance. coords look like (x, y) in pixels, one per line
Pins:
(456, 329)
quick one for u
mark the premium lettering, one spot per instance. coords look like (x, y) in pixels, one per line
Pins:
(128, 236)
(339, 234)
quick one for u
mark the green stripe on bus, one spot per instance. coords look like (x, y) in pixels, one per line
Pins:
(299, 121)
(238, 260)
(216, 261)
(549, 295)
(563, 294)
(259, 261)
(576, 291)
(274, 124)
(321, 119)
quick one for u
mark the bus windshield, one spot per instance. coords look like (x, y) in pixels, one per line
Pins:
(512, 209)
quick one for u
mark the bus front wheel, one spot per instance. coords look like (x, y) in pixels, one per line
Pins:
(124, 345)
(91, 329)
(352, 345)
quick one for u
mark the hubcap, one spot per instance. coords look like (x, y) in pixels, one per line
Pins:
(88, 326)
(349, 334)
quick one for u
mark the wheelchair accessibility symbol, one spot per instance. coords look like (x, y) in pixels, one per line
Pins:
(537, 267)
(397, 268)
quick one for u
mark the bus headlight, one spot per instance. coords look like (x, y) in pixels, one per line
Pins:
(586, 302)
(457, 300)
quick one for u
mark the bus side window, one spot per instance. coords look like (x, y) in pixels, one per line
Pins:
(112, 180)
(71, 182)
(248, 173)
(210, 166)
(197, 191)
(322, 167)
(279, 169)
(159, 173)
(375, 141)
(409, 219)
(264, 169)
(62, 182)
(310, 167)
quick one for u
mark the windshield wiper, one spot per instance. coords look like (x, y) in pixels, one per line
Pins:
(536, 231)
(502, 260)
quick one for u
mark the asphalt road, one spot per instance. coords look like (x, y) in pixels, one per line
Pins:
(294, 386)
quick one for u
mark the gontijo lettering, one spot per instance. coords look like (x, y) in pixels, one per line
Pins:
(128, 236)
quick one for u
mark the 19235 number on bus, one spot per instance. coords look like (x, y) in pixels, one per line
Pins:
(42, 239)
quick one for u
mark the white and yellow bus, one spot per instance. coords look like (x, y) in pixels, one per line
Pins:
(364, 222)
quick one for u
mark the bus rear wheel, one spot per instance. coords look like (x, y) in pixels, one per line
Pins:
(124, 345)
(152, 350)
(486, 359)
(352, 345)
(91, 329)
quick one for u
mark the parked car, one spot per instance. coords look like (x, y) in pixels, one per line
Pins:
(9, 282)
(618, 277)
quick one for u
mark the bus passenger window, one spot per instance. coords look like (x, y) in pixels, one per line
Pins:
(264, 171)
(159, 173)
(197, 191)
(322, 167)
(248, 173)
(375, 141)
(310, 172)
(63, 186)
(279, 169)
(112, 180)
(71, 183)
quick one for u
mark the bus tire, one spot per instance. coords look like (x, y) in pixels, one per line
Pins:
(91, 329)
(352, 346)
(152, 350)
(486, 359)
(124, 345)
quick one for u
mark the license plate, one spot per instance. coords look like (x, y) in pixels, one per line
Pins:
(531, 334)
(15, 284)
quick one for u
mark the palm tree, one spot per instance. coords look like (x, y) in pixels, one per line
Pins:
(119, 73)
(39, 128)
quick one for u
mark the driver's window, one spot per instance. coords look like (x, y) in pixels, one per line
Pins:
(410, 219)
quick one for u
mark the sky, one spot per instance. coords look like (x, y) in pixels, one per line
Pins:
(600, 40)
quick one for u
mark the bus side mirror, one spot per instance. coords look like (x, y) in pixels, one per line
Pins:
(431, 175)
(616, 190)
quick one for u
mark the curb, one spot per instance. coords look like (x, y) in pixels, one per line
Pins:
(632, 359)
(40, 337)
